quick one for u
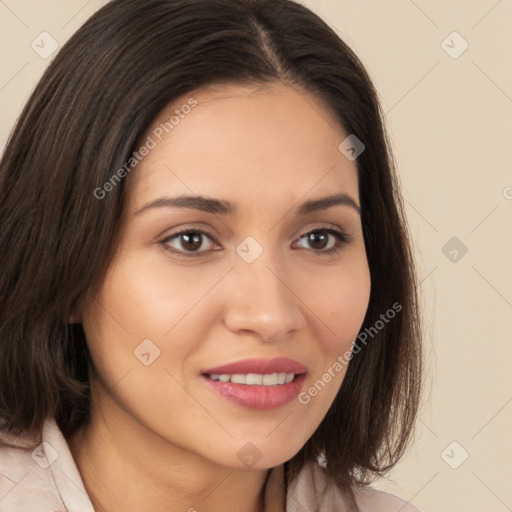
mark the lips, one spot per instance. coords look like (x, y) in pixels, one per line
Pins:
(260, 366)
(257, 383)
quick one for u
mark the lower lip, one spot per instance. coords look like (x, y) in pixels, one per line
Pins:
(258, 397)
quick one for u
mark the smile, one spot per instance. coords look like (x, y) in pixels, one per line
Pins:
(259, 384)
(254, 379)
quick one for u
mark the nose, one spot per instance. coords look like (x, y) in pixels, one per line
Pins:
(260, 300)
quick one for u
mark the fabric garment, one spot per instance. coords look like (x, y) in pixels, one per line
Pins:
(38, 474)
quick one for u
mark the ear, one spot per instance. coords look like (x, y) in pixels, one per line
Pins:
(75, 315)
(75, 310)
(74, 318)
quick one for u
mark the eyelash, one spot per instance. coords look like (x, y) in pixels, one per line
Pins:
(342, 240)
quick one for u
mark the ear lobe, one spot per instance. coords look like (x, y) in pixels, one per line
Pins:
(74, 318)
(75, 311)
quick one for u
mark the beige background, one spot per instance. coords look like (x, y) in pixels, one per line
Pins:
(450, 120)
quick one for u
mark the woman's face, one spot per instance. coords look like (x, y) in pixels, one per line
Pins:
(246, 283)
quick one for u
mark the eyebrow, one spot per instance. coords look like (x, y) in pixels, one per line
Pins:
(222, 207)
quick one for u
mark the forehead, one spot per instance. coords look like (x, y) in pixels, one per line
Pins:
(273, 142)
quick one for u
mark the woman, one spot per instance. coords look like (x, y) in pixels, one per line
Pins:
(208, 294)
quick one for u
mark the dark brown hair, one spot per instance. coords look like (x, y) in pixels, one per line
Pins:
(94, 102)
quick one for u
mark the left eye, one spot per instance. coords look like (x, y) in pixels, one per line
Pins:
(320, 239)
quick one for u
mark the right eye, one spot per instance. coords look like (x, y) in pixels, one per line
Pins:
(189, 242)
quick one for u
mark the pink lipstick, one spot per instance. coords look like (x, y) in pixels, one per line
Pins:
(257, 383)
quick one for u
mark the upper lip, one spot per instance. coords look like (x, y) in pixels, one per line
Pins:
(259, 366)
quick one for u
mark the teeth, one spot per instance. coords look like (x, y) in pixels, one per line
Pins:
(255, 379)
(270, 380)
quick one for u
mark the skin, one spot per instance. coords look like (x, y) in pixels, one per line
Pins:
(159, 439)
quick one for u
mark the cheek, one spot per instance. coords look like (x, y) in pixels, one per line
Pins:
(341, 299)
(135, 335)
(147, 306)
(145, 297)
(348, 307)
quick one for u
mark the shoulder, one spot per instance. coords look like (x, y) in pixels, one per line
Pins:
(372, 500)
(16, 455)
(37, 473)
(312, 490)
(24, 484)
